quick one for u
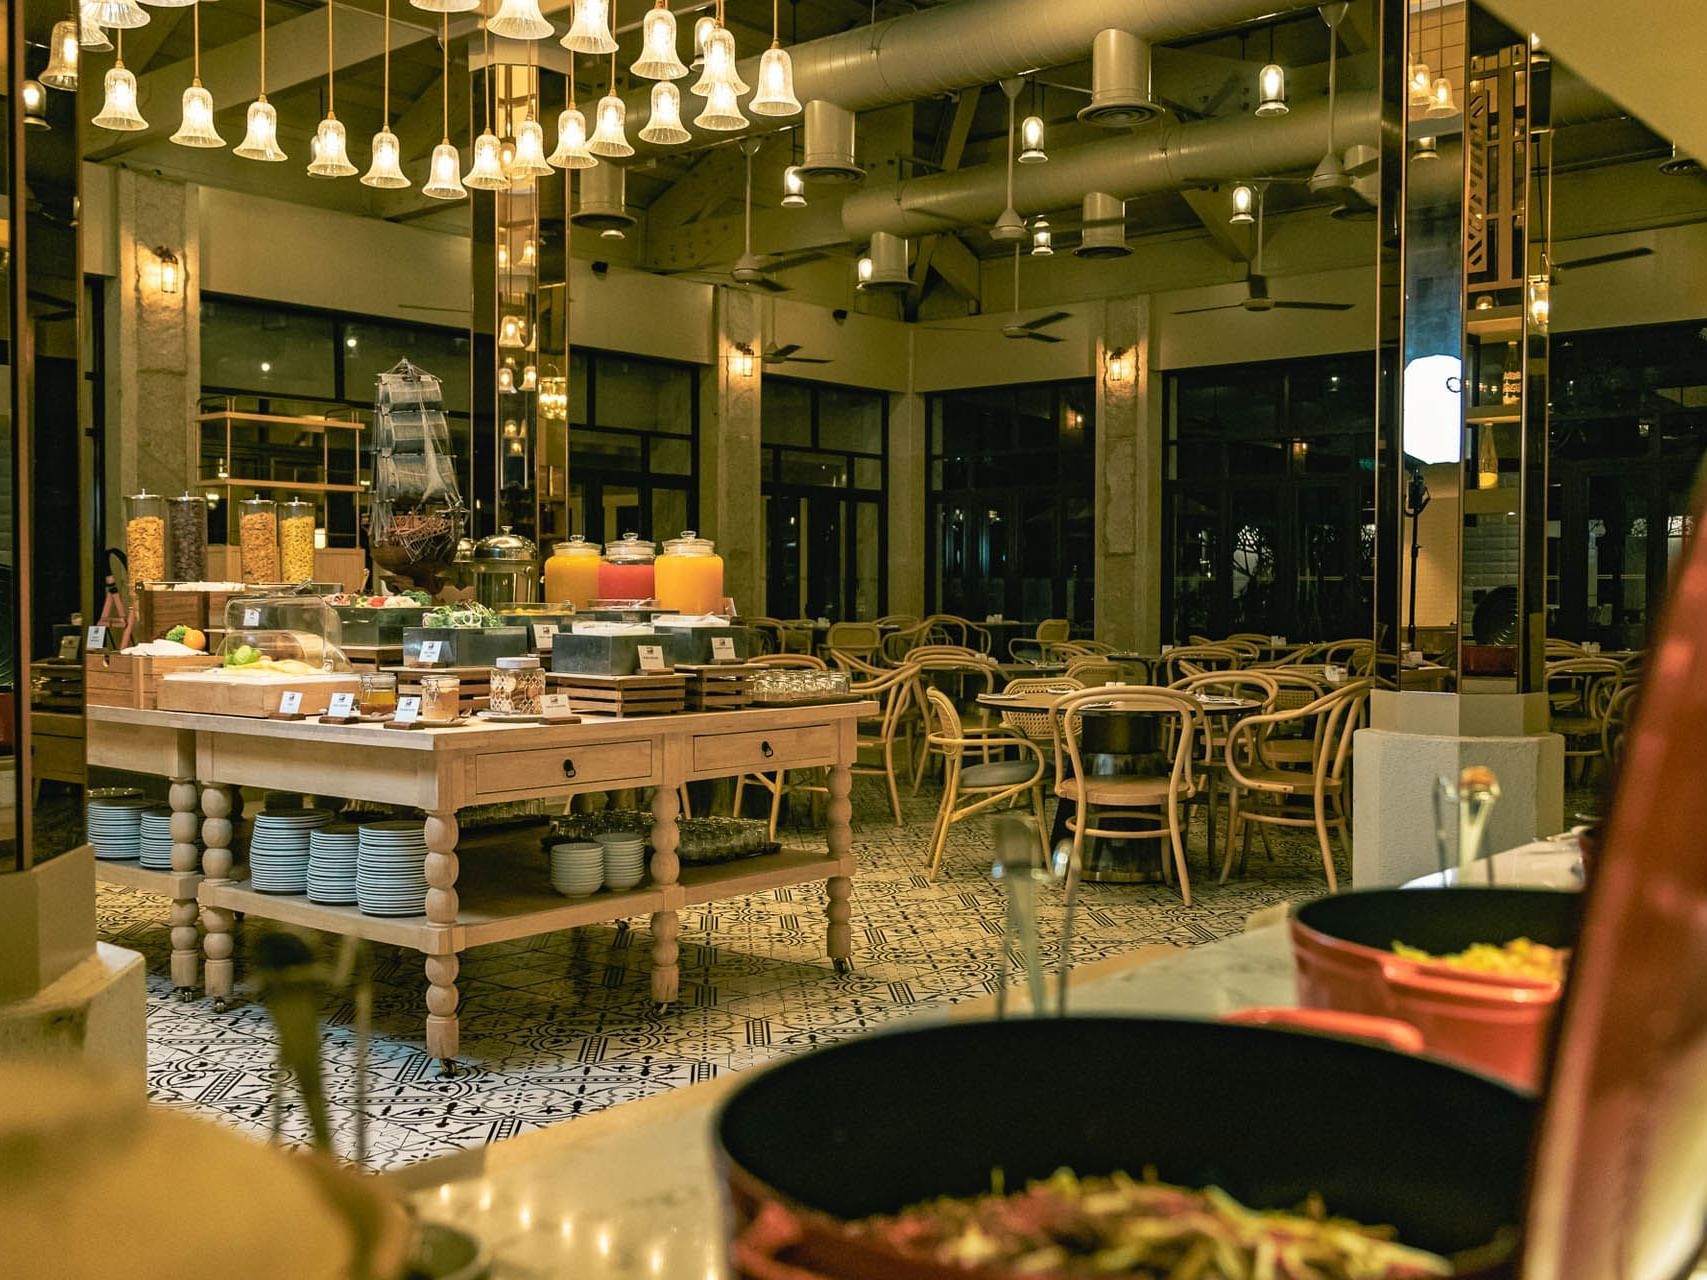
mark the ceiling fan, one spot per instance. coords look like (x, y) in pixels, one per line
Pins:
(1257, 297)
(773, 354)
(1601, 259)
(1021, 330)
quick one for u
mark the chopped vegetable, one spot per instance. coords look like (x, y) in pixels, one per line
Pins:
(1519, 958)
(463, 614)
(244, 655)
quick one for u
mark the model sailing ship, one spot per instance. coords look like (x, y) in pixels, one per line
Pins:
(416, 517)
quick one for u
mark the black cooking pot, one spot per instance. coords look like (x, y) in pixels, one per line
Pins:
(878, 1123)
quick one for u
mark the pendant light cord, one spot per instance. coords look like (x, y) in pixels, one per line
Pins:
(196, 44)
(444, 49)
(263, 49)
(486, 45)
(776, 24)
(385, 93)
(118, 49)
(330, 113)
(569, 86)
(612, 89)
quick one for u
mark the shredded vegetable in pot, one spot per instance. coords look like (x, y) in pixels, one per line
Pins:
(1069, 1226)
(466, 614)
(1519, 958)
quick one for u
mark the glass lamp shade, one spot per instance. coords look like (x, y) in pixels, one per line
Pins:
(529, 160)
(701, 33)
(1271, 88)
(776, 85)
(862, 272)
(33, 94)
(118, 105)
(386, 170)
(446, 6)
(512, 332)
(572, 150)
(506, 380)
(1031, 141)
(1540, 302)
(196, 128)
(64, 49)
(118, 15)
(331, 151)
(530, 378)
(1425, 149)
(444, 177)
(610, 137)
(1042, 240)
(722, 112)
(793, 188)
(664, 127)
(590, 32)
(261, 141)
(89, 32)
(1418, 85)
(487, 171)
(1440, 99)
(658, 59)
(719, 64)
(170, 4)
(1244, 201)
(519, 20)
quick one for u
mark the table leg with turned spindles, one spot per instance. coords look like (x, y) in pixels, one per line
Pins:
(186, 861)
(219, 922)
(443, 1027)
(666, 869)
(839, 909)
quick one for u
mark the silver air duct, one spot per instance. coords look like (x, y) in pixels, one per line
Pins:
(1120, 81)
(604, 190)
(1105, 228)
(829, 153)
(888, 259)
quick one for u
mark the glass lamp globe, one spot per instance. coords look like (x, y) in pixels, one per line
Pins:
(664, 126)
(444, 176)
(1271, 88)
(446, 6)
(793, 188)
(261, 140)
(572, 150)
(64, 50)
(519, 20)
(658, 59)
(1031, 141)
(590, 32)
(719, 64)
(196, 128)
(1042, 240)
(89, 33)
(529, 159)
(722, 112)
(386, 170)
(118, 105)
(331, 151)
(117, 15)
(487, 171)
(610, 137)
(776, 85)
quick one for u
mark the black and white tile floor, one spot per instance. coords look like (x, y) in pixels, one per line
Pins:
(560, 1026)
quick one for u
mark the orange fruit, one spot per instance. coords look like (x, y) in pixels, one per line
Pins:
(195, 639)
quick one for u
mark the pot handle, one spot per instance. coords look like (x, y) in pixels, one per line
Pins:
(754, 1250)
(1406, 976)
(1356, 1026)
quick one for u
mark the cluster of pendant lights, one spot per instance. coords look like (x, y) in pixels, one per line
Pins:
(495, 166)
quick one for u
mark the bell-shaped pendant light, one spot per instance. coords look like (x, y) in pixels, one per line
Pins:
(1440, 99)
(658, 59)
(512, 332)
(529, 160)
(385, 169)
(444, 178)
(719, 64)
(446, 6)
(1031, 141)
(519, 20)
(793, 188)
(590, 31)
(118, 103)
(572, 150)
(1271, 91)
(775, 96)
(33, 94)
(117, 15)
(487, 171)
(702, 30)
(170, 4)
(1418, 85)
(196, 128)
(261, 141)
(664, 125)
(1042, 240)
(331, 145)
(722, 112)
(90, 34)
(63, 52)
(610, 135)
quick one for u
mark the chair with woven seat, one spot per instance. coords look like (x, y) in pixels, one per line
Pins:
(1035, 724)
(862, 640)
(1198, 657)
(797, 635)
(968, 675)
(1091, 670)
(1144, 797)
(876, 740)
(778, 784)
(992, 782)
(1049, 631)
(1264, 793)
(1257, 686)
(1579, 691)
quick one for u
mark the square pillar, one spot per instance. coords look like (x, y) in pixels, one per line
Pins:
(731, 492)
(909, 536)
(1129, 479)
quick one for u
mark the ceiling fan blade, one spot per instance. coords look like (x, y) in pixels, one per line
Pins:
(782, 353)
(793, 260)
(1042, 337)
(1225, 306)
(803, 360)
(769, 285)
(1600, 259)
(1043, 322)
(1316, 306)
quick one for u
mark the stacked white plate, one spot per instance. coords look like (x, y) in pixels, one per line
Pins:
(278, 848)
(625, 858)
(332, 863)
(157, 838)
(391, 869)
(115, 826)
(577, 870)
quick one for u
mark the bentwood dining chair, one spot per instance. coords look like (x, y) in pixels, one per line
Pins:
(985, 785)
(1049, 631)
(1090, 671)
(1157, 798)
(960, 675)
(1185, 659)
(1579, 691)
(877, 737)
(778, 784)
(862, 640)
(1255, 686)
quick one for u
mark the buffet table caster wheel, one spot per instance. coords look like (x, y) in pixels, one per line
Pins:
(843, 967)
(447, 1068)
(662, 1008)
(220, 1004)
(183, 995)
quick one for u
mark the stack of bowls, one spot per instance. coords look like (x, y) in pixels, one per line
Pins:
(332, 863)
(157, 838)
(278, 848)
(624, 858)
(577, 870)
(115, 825)
(391, 869)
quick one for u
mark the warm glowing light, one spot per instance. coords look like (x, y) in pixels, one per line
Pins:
(1440, 100)
(63, 53)
(719, 64)
(590, 32)
(512, 332)
(1244, 203)
(793, 188)
(519, 20)
(444, 178)
(741, 362)
(1042, 241)
(863, 270)
(776, 85)
(171, 271)
(117, 15)
(658, 59)
(572, 150)
(34, 96)
(331, 151)
(1120, 366)
(1418, 85)
(1271, 89)
(118, 106)
(196, 128)
(1540, 302)
(664, 124)
(610, 137)
(529, 160)
(386, 170)
(722, 112)
(1031, 140)
(487, 171)
(261, 141)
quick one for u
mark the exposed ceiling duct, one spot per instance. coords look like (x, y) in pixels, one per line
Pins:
(1120, 81)
(829, 147)
(887, 269)
(1105, 228)
(604, 197)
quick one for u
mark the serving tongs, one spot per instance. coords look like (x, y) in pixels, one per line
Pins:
(1470, 801)
(1021, 872)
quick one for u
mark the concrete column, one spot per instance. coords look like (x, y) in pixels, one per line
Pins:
(731, 497)
(1129, 481)
(908, 535)
(154, 352)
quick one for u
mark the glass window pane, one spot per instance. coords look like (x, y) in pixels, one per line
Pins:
(646, 395)
(868, 473)
(265, 350)
(819, 469)
(672, 455)
(604, 450)
(868, 569)
(371, 348)
(850, 419)
(785, 412)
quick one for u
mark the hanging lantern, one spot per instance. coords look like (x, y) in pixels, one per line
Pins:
(261, 141)
(664, 125)
(1540, 303)
(519, 20)
(1031, 141)
(590, 32)
(1418, 85)
(1042, 241)
(506, 380)
(89, 33)
(196, 129)
(1244, 204)
(386, 169)
(1271, 89)
(444, 177)
(63, 52)
(118, 105)
(530, 378)
(487, 171)
(719, 64)
(512, 332)
(658, 59)
(776, 85)
(34, 96)
(610, 138)
(530, 160)
(722, 112)
(117, 15)
(331, 151)
(702, 30)
(572, 150)
(1440, 99)
(793, 188)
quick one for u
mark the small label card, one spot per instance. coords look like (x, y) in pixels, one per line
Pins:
(67, 648)
(97, 638)
(290, 702)
(651, 657)
(543, 634)
(408, 709)
(723, 648)
(430, 650)
(555, 706)
(342, 706)
(251, 617)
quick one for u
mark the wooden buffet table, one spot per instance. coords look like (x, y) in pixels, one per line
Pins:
(491, 899)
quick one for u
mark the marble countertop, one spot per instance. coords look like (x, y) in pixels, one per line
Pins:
(633, 1191)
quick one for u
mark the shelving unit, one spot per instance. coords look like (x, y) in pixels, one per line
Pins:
(233, 445)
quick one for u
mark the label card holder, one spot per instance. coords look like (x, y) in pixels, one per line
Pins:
(341, 707)
(544, 633)
(430, 651)
(68, 648)
(97, 638)
(290, 705)
(723, 649)
(651, 657)
(251, 617)
(555, 706)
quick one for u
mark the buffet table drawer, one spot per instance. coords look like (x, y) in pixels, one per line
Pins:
(762, 750)
(627, 763)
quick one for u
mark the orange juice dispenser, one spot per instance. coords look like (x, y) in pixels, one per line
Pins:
(690, 575)
(626, 573)
(572, 573)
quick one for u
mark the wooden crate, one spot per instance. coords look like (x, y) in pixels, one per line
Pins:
(648, 695)
(159, 609)
(56, 685)
(133, 680)
(57, 747)
(726, 686)
(473, 694)
(256, 696)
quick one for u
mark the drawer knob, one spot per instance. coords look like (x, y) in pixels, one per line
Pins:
(766, 750)
(568, 768)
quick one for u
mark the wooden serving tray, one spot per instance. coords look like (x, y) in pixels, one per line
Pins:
(257, 696)
(641, 695)
(724, 686)
(133, 680)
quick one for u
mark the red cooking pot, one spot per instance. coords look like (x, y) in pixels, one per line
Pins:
(1342, 947)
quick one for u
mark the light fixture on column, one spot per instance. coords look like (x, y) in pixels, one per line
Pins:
(169, 272)
(741, 361)
(1418, 84)
(519, 20)
(330, 145)
(610, 129)
(1244, 203)
(571, 152)
(261, 137)
(1120, 367)
(63, 53)
(776, 77)
(1042, 240)
(444, 176)
(590, 31)
(1440, 100)
(793, 188)
(118, 102)
(664, 125)
(1540, 302)
(658, 58)
(118, 15)
(34, 96)
(487, 171)
(196, 128)
(385, 171)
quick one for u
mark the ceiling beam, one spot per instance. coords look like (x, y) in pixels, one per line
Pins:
(142, 43)
(953, 150)
(420, 125)
(714, 177)
(958, 266)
